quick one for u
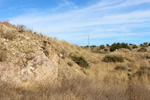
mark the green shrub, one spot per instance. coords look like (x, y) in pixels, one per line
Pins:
(106, 50)
(113, 58)
(93, 46)
(101, 46)
(134, 46)
(107, 45)
(115, 46)
(145, 44)
(80, 61)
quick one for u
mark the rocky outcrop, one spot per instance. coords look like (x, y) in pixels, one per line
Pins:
(35, 67)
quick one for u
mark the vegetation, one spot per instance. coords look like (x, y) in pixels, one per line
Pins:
(113, 58)
(142, 50)
(110, 75)
(80, 61)
(134, 46)
(101, 46)
(116, 46)
(106, 50)
(120, 67)
(10, 35)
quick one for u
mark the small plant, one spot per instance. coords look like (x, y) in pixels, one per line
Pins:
(119, 67)
(113, 58)
(80, 61)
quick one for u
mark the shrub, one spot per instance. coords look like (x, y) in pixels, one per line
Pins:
(134, 46)
(145, 44)
(143, 70)
(10, 35)
(106, 50)
(119, 67)
(142, 50)
(80, 61)
(93, 46)
(3, 55)
(115, 46)
(21, 28)
(107, 45)
(113, 58)
(101, 46)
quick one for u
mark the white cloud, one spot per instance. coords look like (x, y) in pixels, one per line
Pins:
(72, 24)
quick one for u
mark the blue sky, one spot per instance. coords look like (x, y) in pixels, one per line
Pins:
(105, 21)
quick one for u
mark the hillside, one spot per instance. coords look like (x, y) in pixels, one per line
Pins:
(36, 67)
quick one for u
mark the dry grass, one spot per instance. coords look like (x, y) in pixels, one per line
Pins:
(10, 35)
(77, 89)
(121, 77)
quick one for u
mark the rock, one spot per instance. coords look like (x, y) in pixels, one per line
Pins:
(38, 67)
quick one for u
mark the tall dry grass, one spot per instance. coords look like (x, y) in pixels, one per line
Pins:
(77, 89)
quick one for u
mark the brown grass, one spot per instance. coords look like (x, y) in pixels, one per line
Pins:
(10, 35)
(121, 77)
(77, 89)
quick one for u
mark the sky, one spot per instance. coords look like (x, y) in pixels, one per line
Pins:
(104, 21)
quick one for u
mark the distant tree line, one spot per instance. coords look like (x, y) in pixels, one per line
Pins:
(118, 45)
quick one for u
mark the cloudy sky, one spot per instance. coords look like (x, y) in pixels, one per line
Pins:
(105, 21)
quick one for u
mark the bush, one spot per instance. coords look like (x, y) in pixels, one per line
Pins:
(107, 45)
(93, 46)
(101, 46)
(143, 70)
(113, 58)
(106, 50)
(134, 46)
(142, 50)
(10, 35)
(115, 46)
(80, 61)
(21, 28)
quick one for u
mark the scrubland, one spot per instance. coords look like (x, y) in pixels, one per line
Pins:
(83, 73)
